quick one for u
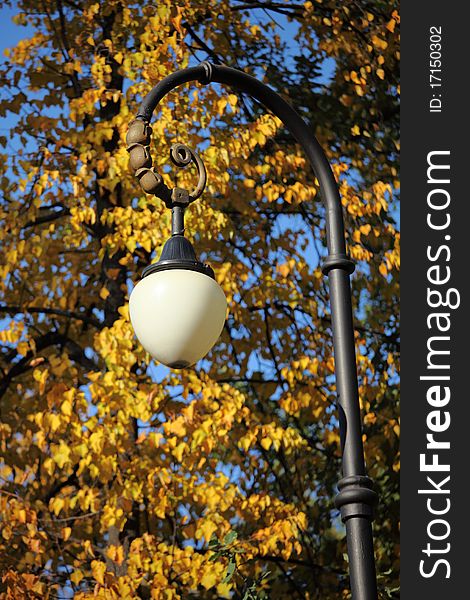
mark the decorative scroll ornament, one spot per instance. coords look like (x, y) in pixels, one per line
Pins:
(138, 146)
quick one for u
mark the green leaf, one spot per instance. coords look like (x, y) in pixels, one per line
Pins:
(230, 537)
(230, 571)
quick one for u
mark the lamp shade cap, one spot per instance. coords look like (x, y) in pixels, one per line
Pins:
(178, 253)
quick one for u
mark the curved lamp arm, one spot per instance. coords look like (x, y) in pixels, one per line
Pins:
(356, 497)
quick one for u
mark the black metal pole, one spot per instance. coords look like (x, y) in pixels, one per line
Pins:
(356, 497)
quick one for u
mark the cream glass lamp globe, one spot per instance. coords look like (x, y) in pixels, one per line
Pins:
(177, 314)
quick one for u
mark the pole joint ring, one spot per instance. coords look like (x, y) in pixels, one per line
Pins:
(338, 261)
(356, 497)
(208, 71)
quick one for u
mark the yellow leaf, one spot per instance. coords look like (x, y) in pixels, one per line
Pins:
(266, 443)
(124, 311)
(380, 73)
(131, 244)
(65, 532)
(224, 589)
(37, 361)
(66, 408)
(62, 455)
(49, 465)
(178, 451)
(76, 576)
(284, 269)
(23, 348)
(98, 569)
(57, 505)
(332, 437)
(146, 244)
(209, 579)
(88, 548)
(245, 442)
(116, 554)
(221, 104)
(206, 529)
(198, 437)
(177, 23)
(379, 42)
(21, 515)
(391, 25)
(355, 77)
(41, 378)
(359, 91)
(176, 427)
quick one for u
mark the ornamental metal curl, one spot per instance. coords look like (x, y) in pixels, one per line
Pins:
(140, 160)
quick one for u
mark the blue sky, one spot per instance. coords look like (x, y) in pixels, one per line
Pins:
(10, 33)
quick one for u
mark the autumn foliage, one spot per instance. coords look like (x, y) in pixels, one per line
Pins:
(120, 478)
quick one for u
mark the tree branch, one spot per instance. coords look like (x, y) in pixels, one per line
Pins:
(53, 216)
(50, 311)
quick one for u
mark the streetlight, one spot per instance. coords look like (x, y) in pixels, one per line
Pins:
(178, 310)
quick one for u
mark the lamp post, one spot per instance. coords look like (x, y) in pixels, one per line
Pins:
(178, 284)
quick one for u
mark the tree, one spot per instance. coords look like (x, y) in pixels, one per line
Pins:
(121, 479)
